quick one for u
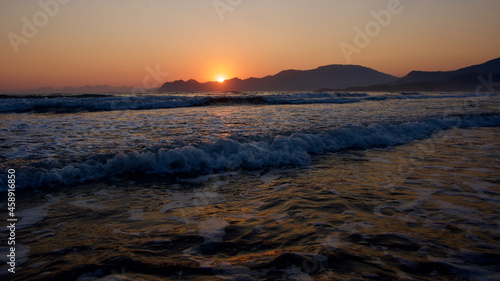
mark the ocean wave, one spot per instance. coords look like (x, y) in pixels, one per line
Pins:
(93, 103)
(295, 149)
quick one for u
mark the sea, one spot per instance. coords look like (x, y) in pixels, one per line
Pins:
(250, 186)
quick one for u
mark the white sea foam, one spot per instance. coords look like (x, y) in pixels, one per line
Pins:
(69, 104)
(230, 154)
(212, 230)
(136, 215)
(195, 199)
(88, 203)
(33, 215)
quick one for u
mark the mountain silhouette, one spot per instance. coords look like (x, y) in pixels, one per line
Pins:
(492, 66)
(481, 77)
(329, 76)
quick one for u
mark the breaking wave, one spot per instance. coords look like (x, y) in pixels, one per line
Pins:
(92, 103)
(294, 149)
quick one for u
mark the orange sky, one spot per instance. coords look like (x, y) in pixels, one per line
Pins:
(115, 42)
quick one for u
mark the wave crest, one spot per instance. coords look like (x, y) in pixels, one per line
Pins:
(227, 154)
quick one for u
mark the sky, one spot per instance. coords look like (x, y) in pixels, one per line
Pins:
(142, 43)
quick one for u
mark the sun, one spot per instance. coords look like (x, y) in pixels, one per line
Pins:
(221, 79)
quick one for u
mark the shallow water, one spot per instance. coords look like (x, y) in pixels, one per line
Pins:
(274, 186)
(427, 210)
(69, 148)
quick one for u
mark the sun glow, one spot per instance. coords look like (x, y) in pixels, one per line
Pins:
(221, 79)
